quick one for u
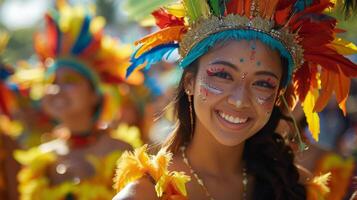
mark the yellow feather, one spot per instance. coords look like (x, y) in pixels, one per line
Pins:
(344, 47)
(312, 117)
(177, 10)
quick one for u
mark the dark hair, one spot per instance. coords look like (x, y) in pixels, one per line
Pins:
(267, 157)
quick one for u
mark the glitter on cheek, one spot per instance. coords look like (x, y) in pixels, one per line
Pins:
(244, 75)
(206, 89)
(266, 102)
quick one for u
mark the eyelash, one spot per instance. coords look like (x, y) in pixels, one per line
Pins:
(219, 72)
(265, 84)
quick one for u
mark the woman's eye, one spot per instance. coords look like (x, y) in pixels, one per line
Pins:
(265, 84)
(223, 75)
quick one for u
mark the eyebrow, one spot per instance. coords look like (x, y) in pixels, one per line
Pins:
(226, 63)
(268, 73)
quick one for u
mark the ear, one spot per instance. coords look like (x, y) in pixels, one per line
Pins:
(189, 83)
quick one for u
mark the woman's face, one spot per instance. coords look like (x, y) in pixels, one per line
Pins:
(235, 90)
(70, 96)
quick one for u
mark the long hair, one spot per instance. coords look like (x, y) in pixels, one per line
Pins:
(267, 157)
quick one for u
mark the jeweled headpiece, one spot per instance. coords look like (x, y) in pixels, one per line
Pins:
(300, 30)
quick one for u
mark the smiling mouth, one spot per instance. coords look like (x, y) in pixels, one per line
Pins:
(232, 119)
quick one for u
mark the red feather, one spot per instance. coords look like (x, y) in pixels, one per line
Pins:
(164, 19)
(314, 9)
(302, 81)
(51, 34)
(3, 106)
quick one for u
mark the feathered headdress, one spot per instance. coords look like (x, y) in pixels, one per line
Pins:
(298, 29)
(74, 37)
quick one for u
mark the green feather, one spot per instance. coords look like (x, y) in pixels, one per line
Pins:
(196, 9)
(218, 7)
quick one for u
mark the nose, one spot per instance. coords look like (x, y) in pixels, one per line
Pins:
(238, 97)
(53, 89)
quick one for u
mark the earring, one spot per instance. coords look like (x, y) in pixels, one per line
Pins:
(191, 111)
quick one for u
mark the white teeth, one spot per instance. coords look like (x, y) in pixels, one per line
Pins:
(231, 119)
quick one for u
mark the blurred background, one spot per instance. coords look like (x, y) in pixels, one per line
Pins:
(141, 106)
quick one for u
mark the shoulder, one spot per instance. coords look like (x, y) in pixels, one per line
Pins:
(138, 190)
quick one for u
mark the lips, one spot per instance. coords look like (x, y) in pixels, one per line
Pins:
(232, 121)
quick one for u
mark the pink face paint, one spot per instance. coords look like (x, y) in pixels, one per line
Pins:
(213, 70)
(266, 102)
(206, 88)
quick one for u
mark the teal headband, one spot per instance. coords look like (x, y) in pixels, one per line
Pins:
(78, 67)
(205, 45)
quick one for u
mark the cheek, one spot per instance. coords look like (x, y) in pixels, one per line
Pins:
(206, 88)
(264, 100)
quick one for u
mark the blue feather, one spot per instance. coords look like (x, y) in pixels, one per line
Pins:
(202, 47)
(151, 57)
(84, 38)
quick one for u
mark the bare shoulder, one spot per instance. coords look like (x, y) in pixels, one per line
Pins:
(138, 190)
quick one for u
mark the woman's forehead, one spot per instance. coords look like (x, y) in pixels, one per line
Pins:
(244, 53)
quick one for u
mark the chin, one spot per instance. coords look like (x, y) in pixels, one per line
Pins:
(228, 139)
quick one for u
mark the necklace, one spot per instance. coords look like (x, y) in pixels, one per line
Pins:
(200, 182)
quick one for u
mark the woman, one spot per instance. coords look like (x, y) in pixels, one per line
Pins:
(239, 57)
(85, 67)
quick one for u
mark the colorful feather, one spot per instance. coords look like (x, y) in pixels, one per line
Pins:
(196, 9)
(312, 117)
(218, 7)
(164, 19)
(167, 35)
(151, 57)
(342, 88)
(328, 79)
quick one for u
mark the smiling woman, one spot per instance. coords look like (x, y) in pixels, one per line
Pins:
(243, 62)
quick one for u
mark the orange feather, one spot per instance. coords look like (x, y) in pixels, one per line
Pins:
(328, 79)
(166, 35)
(342, 88)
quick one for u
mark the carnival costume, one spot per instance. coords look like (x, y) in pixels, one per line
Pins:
(298, 29)
(74, 38)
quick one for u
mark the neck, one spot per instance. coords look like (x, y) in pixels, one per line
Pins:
(208, 156)
(79, 124)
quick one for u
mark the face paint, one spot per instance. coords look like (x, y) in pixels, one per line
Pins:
(213, 70)
(206, 88)
(264, 100)
(244, 75)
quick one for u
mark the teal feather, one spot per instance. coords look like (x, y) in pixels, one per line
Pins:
(151, 57)
(202, 47)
